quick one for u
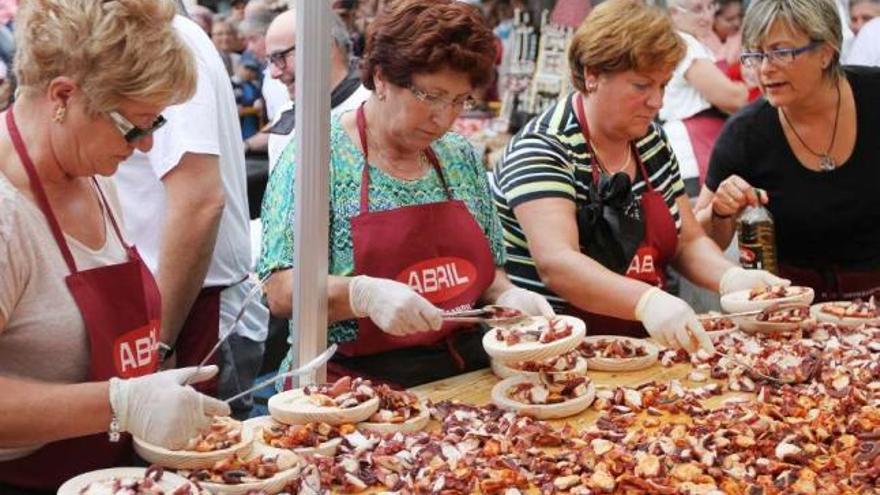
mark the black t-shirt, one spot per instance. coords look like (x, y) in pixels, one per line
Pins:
(822, 219)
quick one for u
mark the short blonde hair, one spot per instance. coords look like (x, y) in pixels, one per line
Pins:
(818, 19)
(621, 35)
(115, 50)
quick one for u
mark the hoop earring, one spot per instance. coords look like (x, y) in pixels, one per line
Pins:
(60, 113)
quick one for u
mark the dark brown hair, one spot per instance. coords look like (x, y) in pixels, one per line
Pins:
(425, 36)
(621, 35)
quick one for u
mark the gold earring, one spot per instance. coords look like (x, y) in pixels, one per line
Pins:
(381, 96)
(60, 112)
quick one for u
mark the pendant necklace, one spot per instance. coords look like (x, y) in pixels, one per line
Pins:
(826, 162)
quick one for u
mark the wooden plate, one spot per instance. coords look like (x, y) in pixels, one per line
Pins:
(751, 325)
(503, 370)
(188, 459)
(411, 425)
(846, 321)
(272, 485)
(534, 351)
(73, 486)
(717, 334)
(738, 301)
(294, 408)
(548, 411)
(624, 364)
(327, 448)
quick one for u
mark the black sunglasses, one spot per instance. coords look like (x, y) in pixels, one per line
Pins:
(131, 132)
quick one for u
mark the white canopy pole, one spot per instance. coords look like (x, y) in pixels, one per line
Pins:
(312, 173)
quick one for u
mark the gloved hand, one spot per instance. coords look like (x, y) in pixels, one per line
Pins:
(671, 321)
(158, 409)
(737, 278)
(394, 307)
(530, 303)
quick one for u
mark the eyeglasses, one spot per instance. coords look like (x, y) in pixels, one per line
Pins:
(781, 56)
(439, 104)
(708, 9)
(131, 132)
(279, 58)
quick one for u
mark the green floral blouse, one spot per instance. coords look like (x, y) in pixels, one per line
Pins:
(464, 174)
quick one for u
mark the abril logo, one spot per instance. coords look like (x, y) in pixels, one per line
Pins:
(439, 279)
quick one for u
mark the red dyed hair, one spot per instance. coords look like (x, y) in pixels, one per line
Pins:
(426, 36)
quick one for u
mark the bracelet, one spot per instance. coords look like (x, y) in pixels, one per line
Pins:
(164, 350)
(114, 432)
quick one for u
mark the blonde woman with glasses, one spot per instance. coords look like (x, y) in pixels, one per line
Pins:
(808, 150)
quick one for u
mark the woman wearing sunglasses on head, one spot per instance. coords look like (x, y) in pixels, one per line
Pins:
(808, 150)
(413, 230)
(79, 310)
(590, 194)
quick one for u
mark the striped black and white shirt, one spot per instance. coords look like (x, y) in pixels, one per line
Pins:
(548, 158)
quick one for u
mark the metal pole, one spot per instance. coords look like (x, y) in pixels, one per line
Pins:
(312, 178)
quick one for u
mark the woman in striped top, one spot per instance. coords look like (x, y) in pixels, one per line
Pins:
(590, 196)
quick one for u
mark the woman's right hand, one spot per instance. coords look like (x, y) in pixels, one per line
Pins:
(161, 410)
(392, 306)
(734, 194)
(672, 322)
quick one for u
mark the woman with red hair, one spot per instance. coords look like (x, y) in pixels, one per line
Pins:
(413, 230)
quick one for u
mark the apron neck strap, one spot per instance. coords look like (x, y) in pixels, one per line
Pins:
(38, 191)
(585, 130)
(110, 214)
(365, 174)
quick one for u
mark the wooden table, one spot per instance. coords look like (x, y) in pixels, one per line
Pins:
(476, 388)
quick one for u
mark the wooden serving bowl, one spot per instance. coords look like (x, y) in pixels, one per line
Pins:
(189, 459)
(505, 370)
(540, 411)
(412, 425)
(256, 425)
(624, 364)
(737, 302)
(535, 351)
(169, 481)
(844, 321)
(293, 407)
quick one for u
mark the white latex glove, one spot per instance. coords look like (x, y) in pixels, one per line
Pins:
(737, 278)
(158, 409)
(530, 303)
(671, 321)
(394, 307)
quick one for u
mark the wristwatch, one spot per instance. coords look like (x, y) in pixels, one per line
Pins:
(164, 350)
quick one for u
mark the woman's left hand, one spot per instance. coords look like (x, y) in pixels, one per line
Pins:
(737, 278)
(526, 301)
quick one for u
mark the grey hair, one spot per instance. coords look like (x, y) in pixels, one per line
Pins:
(339, 33)
(818, 19)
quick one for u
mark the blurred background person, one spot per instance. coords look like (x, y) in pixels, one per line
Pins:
(865, 50)
(724, 38)
(699, 95)
(861, 12)
(224, 34)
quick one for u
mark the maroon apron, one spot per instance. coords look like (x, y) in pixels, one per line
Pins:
(438, 249)
(703, 130)
(120, 306)
(657, 249)
(834, 284)
(199, 335)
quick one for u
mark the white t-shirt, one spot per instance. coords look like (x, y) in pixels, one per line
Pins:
(865, 50)
(275, 95)
(681, 101)
(277, 142)
(206, 124)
